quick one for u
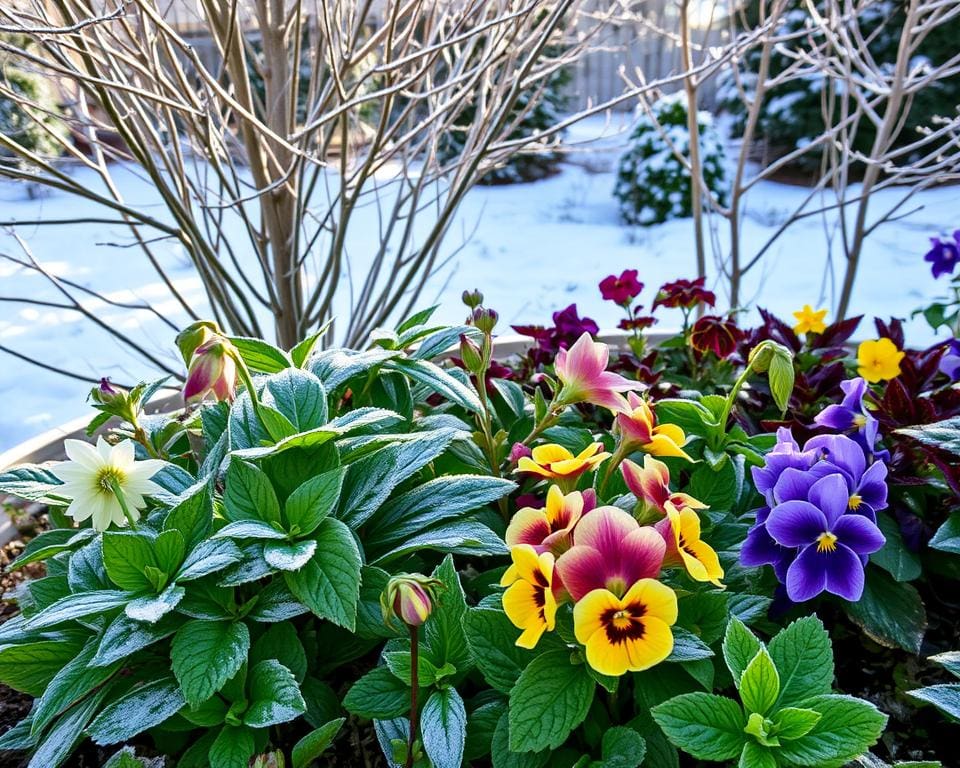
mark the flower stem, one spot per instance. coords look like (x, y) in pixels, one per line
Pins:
(612, 463)
(737, 386)
(414, 685)
(118, 492)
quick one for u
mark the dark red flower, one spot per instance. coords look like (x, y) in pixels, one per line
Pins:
(621, 290)
(569, 326)
(684, 293)
(712, 333)
(637, 323)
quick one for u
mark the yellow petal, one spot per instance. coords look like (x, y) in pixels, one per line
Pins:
(662, 445)
(549, 453)
(589, 611)
(660, 601)
(526, 464)
(520, 603)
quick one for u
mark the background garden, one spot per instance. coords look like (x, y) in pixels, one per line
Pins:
(677, 484)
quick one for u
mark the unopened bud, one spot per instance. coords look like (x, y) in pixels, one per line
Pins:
(485, 320)
(269, 760)
(471, 355)
(106, 393)
(194, 336)
(472, 299)
(519, 451)
(213, 371)
(410, 598)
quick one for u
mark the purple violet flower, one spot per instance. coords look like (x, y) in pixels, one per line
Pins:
(944, 255)
(866, 485)
(851, 415)
(831, 541)
(950, 362)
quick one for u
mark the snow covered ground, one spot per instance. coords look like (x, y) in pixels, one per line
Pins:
(535, 248)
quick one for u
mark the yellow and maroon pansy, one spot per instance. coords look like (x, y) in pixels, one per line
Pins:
(629, 633)
(651, 485)
(550, 529)
(610, 551)
(638, 428)
(529, 601)
(685, 548)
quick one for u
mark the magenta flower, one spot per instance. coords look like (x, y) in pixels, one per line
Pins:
(582, 370)
(944, 255)
(610, 551)
(684, 293)
(621, 290)
(831, 541)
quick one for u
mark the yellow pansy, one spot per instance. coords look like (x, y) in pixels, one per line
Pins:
(631, 633)
(878, 360)
(529, 601)
(681, 529)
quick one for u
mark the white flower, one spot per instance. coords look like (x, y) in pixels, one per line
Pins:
(92, 475)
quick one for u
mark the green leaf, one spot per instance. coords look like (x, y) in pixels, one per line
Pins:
(71, 683)
(378, 694)
(249, 494)
(895, 557)
(32, 483)
(125, 636)
(152, 608)
(781, 377)
(66, 732)
(944, 697)
(260, 356)
(890, 612)
(760, 684)
(299, 396)
(438, 380)
(847, 728)
(204, 655)
(941, 435)
(50, 543)
(125, 555)
(208, 557)
(803, 656)
(444, 633)
(250, 529)
(704, 725)
(550, 699)
(29, 667)
(309, 504)
(232, 748)
(622, 747)
(756, 756)
(281, 642)
(77, 606)
(492, 640)
(947, 537)
(136, 711)
(289, 556)
(309, 749)
(688, 647)
(274, 695)
(443, 728)
(949, 660)
(480, 729)
(399, 663)
(329, 584)
(501, 754)
(740, 646)
(300, 354)
(792, 722)
(192, 516)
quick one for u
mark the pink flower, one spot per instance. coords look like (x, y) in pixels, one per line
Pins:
(549, 529)
(212, 371)
(583, 371)
(621, 290)
(638, 427)
(610, 551)
(651, 485)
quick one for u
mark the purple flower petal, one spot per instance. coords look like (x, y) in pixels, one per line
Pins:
(858, 533)
(835, 416)
(793, 484)
(796, 523)
(853, 392)
(831, 494)
(759, 548)
(806, 576)
(842, 452)
(844, 572)
(872, 488)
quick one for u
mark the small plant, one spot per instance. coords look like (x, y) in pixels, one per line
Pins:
(787, 714)
(653, 185)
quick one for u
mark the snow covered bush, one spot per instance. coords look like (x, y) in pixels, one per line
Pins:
(793, 112)
(653, 185)
(37, 130)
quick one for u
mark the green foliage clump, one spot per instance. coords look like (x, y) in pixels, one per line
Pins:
(653, 186)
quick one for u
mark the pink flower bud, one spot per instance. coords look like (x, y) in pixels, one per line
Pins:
(471, 354)
(410, 598)
(518, 451)
(191, 338)
(212, 371)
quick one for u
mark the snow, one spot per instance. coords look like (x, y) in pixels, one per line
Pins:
(534, 249)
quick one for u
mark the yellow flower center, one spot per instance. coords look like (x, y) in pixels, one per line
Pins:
(859, 420)
(106, 477)
(855, 501)
(826, 542)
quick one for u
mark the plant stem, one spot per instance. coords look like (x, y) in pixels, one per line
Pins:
(414, 685)
(737, 386)
(612, 463)
(118, 492)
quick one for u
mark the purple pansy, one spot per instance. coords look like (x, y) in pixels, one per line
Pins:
(866, 485)
(950, 362)
(785, 454)
(851, 415)
(830, 542)
(944, 254)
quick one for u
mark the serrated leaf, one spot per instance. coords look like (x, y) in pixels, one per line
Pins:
(895, 557)
(794, 722)
(77, 606)
(233, 748)
(249, 494)
(29, 667)
(551, 698)
(378, 694)
(890, 612)
(274, 695)
(847, 728)
(803, 656)
(329, 583)
(492, 640)
(740, 646)
(947, 537)
(945, 697)
(204, 655)
(314, 744)
(760, 683)
(289, 556)
(707, 726)
(310, 503)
